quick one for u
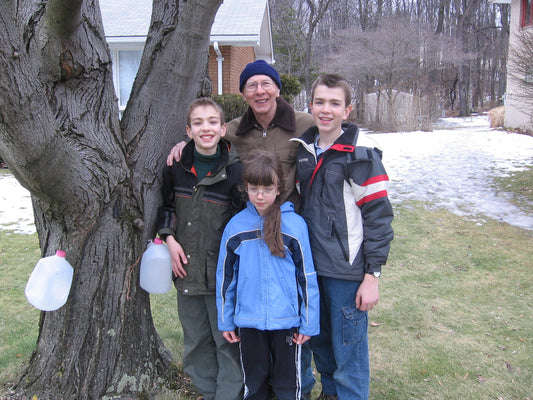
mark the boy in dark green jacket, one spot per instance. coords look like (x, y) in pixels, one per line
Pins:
(200, 195)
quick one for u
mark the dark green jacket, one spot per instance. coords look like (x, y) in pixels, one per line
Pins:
(195, 213)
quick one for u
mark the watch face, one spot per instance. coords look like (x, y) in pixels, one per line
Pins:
(377, 274)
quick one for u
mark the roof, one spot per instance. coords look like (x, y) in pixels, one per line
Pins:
(237, 23)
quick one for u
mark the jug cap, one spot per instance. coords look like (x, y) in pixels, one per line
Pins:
(61, 253)
(158, 241)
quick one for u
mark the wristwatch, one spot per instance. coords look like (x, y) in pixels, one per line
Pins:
(375, 273)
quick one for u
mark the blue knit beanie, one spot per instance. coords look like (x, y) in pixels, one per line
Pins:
(259, 67)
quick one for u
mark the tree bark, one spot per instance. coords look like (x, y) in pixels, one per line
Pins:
(466, 12)
(94, 179)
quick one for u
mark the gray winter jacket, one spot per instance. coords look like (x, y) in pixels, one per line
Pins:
(344, 202)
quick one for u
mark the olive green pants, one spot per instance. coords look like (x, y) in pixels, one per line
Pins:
(212, 363)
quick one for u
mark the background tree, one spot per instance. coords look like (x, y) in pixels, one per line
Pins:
(288, 37)
(464, 70)
(465, 17)
(94, 178)
(397, 57)
(316, 10)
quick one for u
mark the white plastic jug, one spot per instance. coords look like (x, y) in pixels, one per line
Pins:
(156, 268)
(49, 283)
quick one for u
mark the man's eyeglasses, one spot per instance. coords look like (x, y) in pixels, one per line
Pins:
(251, 87)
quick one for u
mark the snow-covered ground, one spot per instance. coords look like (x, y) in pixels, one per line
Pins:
(450, 167)
(16, 212)
(453, 166)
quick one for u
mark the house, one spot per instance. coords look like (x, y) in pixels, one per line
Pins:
(518, 112)
(241, 33)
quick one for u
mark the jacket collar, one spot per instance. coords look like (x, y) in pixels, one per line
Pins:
(227, 154)
(285, 118)
(347, 138)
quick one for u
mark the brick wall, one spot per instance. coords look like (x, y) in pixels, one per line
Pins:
(235, 59)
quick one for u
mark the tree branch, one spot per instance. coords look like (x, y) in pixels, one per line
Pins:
(63, 16)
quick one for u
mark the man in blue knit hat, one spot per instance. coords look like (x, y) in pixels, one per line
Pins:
(268, 124)
(259, 67)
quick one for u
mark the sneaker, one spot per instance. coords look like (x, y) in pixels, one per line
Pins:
(324, 396)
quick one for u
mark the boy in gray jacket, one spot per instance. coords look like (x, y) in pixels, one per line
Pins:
(343, 187)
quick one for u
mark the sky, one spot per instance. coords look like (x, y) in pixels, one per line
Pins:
(451, 166)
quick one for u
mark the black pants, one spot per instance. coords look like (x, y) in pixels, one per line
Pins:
(270, 358)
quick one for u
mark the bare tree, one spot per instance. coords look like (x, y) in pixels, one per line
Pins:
(521, 69)
(443, 6)
(399, 56)
(316, 11)
(94, 178)
(288, 37)
(465, 13)
(476, 70)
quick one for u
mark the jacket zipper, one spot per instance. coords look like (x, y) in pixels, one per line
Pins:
(339, 240)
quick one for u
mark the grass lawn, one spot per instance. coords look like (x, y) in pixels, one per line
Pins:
(520, 184)
(18, 319)
(454, 319)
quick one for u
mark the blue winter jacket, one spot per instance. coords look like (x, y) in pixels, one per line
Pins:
(258, 290)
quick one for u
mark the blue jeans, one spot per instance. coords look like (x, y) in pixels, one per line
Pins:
(308, 380)
(341, 349)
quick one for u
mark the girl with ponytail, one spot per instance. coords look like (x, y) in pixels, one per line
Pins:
(263, 180)
(267, 292)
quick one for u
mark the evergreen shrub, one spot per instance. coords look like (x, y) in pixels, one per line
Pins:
(233, 105)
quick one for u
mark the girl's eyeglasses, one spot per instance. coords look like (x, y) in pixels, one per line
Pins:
(265, 191)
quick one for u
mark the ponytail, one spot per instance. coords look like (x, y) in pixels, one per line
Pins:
(272, 229)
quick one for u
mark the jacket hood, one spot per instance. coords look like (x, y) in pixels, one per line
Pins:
(233, 156)
(285, 118)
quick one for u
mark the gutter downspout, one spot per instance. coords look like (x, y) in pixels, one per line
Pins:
(219, 63)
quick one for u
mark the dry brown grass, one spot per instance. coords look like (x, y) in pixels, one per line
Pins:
(497, 117)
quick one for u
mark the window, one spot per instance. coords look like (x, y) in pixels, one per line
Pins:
(125, 65)
(527, 12)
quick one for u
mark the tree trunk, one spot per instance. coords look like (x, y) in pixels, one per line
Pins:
(443, 5)
(463, 24)
(317, 9)
(504, 48)
(94, 179)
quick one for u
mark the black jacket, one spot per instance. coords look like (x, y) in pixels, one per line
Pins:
(195, 213)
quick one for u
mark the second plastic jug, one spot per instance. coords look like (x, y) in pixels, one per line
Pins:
(156, 268)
